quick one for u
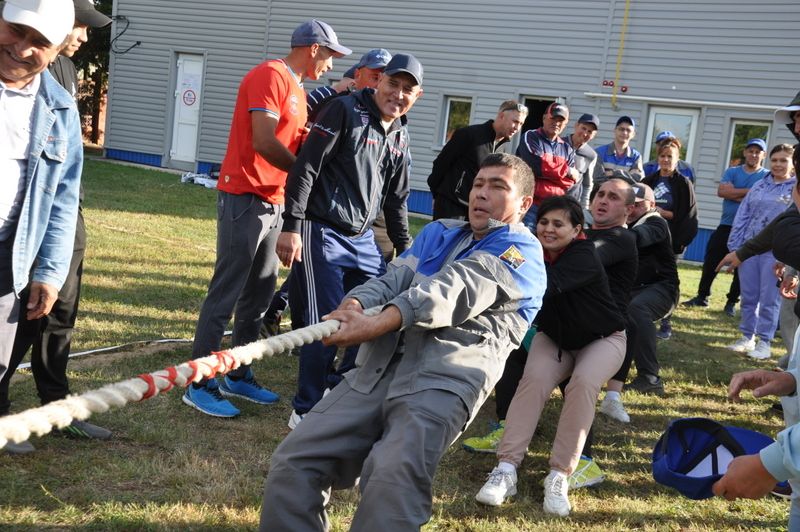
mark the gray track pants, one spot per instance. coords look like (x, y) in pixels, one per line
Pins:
(394, 445)
(244, 274)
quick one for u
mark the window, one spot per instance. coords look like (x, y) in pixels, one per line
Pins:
(681, 122)
(457, 113)
(741, 132)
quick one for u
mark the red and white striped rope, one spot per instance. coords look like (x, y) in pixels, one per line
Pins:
(39, 421)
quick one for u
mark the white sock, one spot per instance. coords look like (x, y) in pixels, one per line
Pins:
(506, 467)
(613, 396)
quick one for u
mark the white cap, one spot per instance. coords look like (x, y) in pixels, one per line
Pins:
(52, 18)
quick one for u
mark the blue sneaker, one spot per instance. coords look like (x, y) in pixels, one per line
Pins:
(209, 400)
(247, 388)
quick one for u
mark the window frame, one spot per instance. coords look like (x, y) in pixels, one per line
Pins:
(448, 98)
(732, 134)
(649, 140)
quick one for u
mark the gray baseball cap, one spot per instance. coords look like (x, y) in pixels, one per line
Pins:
(318, 32)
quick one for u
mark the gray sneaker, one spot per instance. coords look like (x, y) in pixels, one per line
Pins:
(24, 447)
(83, 429)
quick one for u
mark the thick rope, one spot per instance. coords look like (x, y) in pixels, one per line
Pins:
(19, 427)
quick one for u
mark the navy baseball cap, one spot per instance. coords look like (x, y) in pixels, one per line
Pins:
(375, 58)
(665, 135)
(318, 32)
(350, 72)
(624, 120)
(588, 118)
(756, 142)
(558, 109)
(85, 13)
(405, 63)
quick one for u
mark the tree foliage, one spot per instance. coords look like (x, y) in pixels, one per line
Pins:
(92, 61)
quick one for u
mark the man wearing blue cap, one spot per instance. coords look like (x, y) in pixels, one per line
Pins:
(619, 155)
(455, 167)
(269, 119)
(684, 168)
(733, 187)
(585, 157)
(364, 74)
(353, 164)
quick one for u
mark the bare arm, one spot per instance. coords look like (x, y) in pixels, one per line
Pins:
(266, 144)
(728, 191)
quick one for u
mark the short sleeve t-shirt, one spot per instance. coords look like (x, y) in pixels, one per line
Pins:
(737, 176)
(273, 88)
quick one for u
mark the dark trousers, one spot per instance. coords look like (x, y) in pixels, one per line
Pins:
(245, 273)
(716, 249)
(648, 304)
(333, 264)
(51, 336)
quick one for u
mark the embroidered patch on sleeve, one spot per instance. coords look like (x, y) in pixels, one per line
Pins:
(513, 257)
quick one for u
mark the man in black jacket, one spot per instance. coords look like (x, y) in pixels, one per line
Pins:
(456, 165)
(353, 165)
(655, 291)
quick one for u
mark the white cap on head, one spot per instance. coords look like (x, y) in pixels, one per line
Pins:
(52, 18)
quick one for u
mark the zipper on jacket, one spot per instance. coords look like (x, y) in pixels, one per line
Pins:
(372, 197)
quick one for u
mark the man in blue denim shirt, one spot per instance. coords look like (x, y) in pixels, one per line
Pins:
(40, 160)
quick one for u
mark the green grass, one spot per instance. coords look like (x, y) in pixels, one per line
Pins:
(149, 258)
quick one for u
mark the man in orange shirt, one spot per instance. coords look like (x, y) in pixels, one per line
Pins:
(266, 131)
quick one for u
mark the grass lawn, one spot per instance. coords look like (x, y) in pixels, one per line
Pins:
(149, 258)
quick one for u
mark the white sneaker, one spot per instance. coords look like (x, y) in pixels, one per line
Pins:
(499, 486)
(295, 419)
(614, 409)
(556, 501)
(761, 351)
(743, 344)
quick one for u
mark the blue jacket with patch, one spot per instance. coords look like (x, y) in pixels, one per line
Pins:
(463, 312)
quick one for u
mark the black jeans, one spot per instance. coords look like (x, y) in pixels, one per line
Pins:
(49, 336)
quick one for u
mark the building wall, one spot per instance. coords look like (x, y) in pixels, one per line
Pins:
(730, 59)
(232, 37)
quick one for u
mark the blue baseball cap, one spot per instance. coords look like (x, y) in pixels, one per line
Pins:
(405, 63)
(665, 135)
(375, 58)
(756, 142)
(318, 32)
(624, 120)
(588, 118)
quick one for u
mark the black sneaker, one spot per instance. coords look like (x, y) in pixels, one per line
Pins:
(24, 447)
(696, 301)
(664, 332)
(646, 385)
(269, 328)
(730, 309)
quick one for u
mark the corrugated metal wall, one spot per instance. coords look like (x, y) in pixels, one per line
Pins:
(711, 51)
